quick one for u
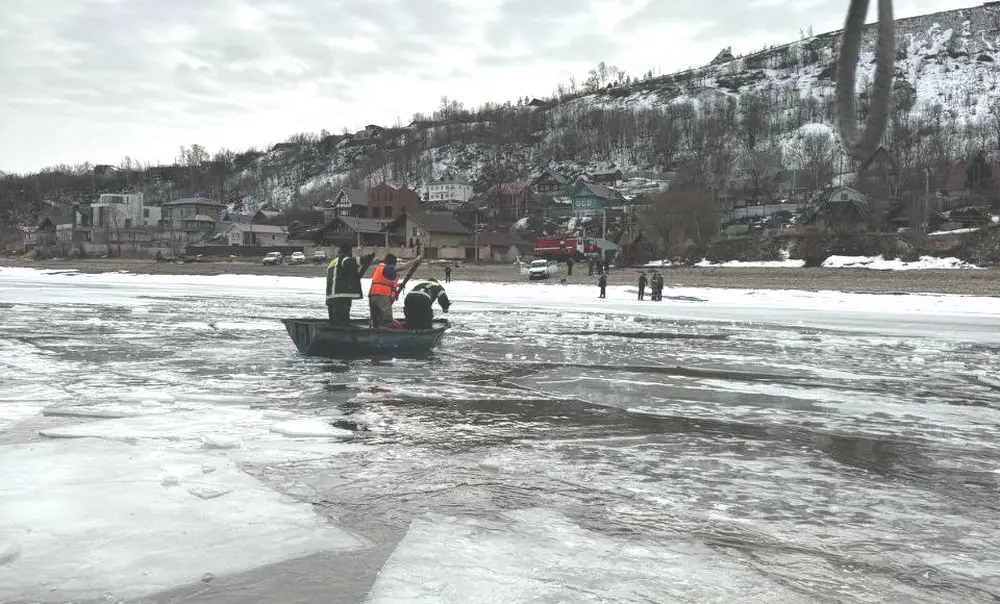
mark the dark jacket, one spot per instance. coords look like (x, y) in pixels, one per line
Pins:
(602, 282)
(642, 281)
(433, 291)
(343, 278)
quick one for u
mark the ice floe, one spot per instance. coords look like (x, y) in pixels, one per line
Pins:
(539, 555)
(86, 518)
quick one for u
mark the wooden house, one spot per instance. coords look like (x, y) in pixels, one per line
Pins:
(589, 198)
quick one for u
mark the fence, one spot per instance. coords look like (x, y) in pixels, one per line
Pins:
(242, 251)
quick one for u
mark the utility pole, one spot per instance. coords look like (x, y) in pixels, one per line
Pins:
(927, 197)
(476, 234)
(604, 223)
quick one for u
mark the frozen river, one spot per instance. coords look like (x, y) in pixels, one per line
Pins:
(162, 441)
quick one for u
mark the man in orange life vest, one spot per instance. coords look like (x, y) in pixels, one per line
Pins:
(383, 292)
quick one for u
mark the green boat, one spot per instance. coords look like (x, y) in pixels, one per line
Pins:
(319, 338)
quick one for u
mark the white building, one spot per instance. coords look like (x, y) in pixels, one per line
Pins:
(250, 234)
(450, 190)
(124, 211)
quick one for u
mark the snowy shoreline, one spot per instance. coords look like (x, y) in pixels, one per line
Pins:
(850, 278)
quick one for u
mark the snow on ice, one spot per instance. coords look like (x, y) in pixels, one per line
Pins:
(310, 428)
(82, 519)
(538, 555)
(151, 496)
(241, 434)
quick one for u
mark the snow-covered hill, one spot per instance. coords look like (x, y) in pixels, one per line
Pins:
(772, 107)
(775, 103)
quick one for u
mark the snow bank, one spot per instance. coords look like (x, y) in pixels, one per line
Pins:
(872, 262)
(788, 263)
(954, 232)
(880, 263)
(658, 264)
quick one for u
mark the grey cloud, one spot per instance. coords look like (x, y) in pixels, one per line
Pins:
(730, 17)
(586, 47)
(535, 20)
(152, 63)
(110, 41)
(556, 31)
(176, 65)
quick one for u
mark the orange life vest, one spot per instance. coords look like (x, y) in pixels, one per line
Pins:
(380, 285)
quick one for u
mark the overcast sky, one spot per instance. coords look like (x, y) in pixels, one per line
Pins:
(99, 80)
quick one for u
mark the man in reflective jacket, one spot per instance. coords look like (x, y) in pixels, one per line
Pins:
(417, 306)
(343, 284)
(383, 291)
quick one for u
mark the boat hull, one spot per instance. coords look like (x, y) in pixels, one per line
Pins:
(319, 338)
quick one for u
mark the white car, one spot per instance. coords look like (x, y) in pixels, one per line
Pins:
(539, 269)
(272, 258)
(297, 258)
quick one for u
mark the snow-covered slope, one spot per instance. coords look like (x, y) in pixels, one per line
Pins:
(947, 80)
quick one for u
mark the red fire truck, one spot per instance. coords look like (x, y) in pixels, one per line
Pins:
(561, 248)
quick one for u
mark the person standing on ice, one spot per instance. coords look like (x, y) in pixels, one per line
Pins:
(642, 286)
(383, 290)
(656, 286)
(602, 282)
(447, 275)
(418, 306)
(343, 284)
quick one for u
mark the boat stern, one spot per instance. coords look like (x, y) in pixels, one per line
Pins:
(301, 333)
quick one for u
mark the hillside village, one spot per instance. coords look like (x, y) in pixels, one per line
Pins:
(738, 155)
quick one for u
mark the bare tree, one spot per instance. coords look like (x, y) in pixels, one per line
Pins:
(993, 122)
(754, 119)
(816, 157)
(760, 169)
(684, 220)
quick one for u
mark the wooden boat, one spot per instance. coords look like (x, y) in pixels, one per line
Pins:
(317, 337)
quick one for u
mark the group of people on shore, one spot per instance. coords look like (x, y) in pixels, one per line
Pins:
(343, 287)
(655, 283)
(594, 264)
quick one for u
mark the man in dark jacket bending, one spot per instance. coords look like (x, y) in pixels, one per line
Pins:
(343, 284)
(417, 306)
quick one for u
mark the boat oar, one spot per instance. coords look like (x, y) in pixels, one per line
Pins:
(366, 261)
(409, 273)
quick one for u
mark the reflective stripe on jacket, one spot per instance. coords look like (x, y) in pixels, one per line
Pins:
(433, 292)
(342, 280)
(380, 285)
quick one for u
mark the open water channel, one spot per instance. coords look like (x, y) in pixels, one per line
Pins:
(162, 441)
